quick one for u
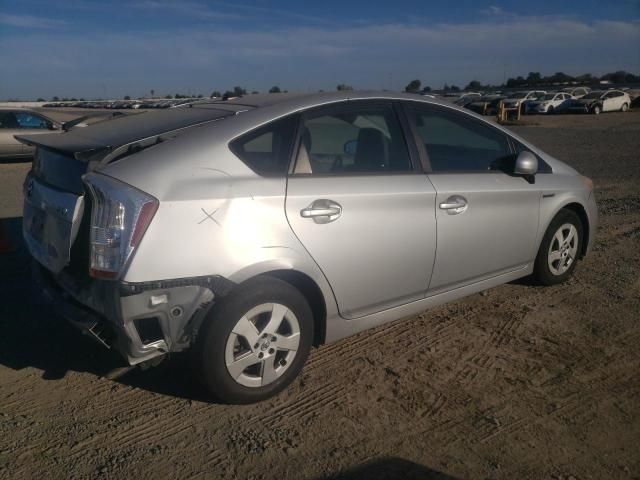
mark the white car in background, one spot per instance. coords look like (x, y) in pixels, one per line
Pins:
(550, 103)
(601, 101)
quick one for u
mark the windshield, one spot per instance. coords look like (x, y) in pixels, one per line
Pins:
(593, 95)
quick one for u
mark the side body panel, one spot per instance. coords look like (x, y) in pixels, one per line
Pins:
(494, 235)
(379, 253)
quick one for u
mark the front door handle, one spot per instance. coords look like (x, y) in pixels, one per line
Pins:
(322, 211)
(454, 205)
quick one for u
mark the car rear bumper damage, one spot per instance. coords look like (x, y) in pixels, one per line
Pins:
(142, 320)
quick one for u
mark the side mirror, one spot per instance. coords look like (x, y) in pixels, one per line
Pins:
(350, 147)
(526, 164)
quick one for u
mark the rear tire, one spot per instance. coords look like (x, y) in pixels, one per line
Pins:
(625, 107)
(254, 343)
(559, 250)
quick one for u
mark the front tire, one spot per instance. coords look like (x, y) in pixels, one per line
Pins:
(560, 249)
(255, 341)
(625, 107)
(596, 110)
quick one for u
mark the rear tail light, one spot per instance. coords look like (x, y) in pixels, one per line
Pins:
(120, 216)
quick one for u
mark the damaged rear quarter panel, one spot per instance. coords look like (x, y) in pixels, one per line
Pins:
(216, 216)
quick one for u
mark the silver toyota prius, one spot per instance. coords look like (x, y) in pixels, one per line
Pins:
(248, 230)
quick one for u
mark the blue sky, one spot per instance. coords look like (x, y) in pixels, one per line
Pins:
(114, 48)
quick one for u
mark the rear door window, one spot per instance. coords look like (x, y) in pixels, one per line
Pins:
(356, 138)
(267, 149)
(31, 121)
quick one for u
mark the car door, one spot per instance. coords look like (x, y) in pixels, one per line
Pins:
(617, 99)
(487, 218)
(607, 102)
(361, 206)
(562, 100)
(30, 123)
(612, 102)
(9, 146)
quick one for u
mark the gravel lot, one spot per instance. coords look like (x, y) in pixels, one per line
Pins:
(517, 382)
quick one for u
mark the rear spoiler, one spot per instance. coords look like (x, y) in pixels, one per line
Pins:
(84, 151)
(95, 152)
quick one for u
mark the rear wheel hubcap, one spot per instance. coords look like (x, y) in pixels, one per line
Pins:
(262, 345)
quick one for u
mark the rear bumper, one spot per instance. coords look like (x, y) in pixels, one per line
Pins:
(141, 321)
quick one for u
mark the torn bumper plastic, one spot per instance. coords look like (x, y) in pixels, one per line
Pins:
(141, 321)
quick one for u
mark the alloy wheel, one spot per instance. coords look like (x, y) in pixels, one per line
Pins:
(563, 249)
(262, 345)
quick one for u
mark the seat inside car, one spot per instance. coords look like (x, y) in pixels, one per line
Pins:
(371, 151)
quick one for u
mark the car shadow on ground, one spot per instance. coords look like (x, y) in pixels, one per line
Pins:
(31, 336)
(391, 468)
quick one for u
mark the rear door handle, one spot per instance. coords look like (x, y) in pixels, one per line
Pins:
(454, 205)
(322, 211)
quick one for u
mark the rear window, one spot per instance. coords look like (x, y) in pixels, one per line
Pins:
(59, 171)
(267, 149)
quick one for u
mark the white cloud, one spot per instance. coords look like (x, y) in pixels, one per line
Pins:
(191, 9)
(494, 10)
(29, 21)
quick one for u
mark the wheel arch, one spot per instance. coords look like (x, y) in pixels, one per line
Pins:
(579, 210)
(313, 294)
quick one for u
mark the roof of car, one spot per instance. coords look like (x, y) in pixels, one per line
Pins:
(134, 127)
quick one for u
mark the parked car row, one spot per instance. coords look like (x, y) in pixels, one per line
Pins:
(573, 100)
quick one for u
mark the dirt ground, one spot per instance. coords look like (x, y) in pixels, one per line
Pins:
(519, 382)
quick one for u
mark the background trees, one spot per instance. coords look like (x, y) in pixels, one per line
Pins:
(413, 86)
